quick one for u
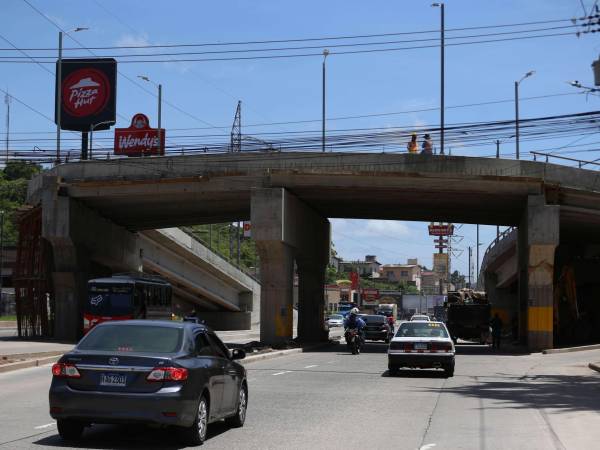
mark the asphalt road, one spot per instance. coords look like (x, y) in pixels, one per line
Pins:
(331, 399)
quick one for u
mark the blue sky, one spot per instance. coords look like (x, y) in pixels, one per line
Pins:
(290, 89)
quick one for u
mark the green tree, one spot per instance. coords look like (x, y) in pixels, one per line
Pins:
(457, 279)
(13, 193)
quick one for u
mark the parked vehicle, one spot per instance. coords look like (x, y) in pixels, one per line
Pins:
(468, 316)
(353, 340)
(126, 296)
(423, 345)
(162, 373)
(377, 328)
(335, 320)
(420, 318)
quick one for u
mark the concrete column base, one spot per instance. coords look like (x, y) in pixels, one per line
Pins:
(276, 309)
(311, 306)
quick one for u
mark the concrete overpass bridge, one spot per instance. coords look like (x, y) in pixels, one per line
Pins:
(290, 196)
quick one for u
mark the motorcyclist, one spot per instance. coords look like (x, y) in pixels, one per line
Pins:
(355, 322)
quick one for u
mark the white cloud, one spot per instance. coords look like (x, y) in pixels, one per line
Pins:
(130, 40)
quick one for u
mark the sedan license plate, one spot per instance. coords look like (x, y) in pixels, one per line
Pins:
(113, 379)
(420, 346)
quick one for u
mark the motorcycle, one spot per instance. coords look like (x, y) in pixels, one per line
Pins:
(353, 340)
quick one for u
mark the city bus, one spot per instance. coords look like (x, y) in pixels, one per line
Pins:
(126, 296)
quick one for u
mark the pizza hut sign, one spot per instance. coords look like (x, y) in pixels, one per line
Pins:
(139, 139)
(88, 93)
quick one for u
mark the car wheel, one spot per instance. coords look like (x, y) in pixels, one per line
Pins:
(240, 416)
(69, 430)
(196, 434)
(449, 371)
(392, 371)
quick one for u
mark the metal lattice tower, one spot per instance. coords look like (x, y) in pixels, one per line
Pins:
(236, 130)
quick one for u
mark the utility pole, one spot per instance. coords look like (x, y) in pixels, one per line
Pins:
(1, 250)
(7, 100)
(469, 268)
(325, 53)
(477, 252)
(497, 148)
(442, 75)
(238, 242)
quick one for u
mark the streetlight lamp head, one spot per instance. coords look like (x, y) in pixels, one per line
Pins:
(574, 83)
(325, 53)
(80, 29)
(144, 77)
(530, 73)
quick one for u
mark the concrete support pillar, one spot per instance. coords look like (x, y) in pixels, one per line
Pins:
(538, 239)
(285, 228)
(311, 302)
(78, 237)
(276, 294)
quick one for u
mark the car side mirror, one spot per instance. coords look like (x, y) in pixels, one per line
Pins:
(238, 353)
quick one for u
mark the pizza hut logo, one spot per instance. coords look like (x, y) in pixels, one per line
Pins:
(85, 92)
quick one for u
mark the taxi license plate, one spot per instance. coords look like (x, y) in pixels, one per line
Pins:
(420, 346)
(113, 379)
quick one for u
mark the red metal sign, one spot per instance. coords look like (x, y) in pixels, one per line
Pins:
(370, 293)
(354, 278)
(441, 230)
(139, 139)
(247, 229)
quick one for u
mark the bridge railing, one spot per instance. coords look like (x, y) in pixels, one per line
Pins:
(506, 233)
(547, 156)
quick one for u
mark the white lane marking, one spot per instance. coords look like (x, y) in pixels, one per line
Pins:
(281, 373)
(428, 446)
(313, 365)
(41, 427)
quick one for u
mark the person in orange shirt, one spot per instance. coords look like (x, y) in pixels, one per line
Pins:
(412, 146)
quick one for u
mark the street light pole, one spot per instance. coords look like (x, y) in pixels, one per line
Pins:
(59, 89)
(517, 83)
(92, 128)
(442, 74)
(159, 118)
(58, 95)
(325, 53)
(1, 249)
(159, 86)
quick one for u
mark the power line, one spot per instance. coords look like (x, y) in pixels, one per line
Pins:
(310, 39)
(305, 55)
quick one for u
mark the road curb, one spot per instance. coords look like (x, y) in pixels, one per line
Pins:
(582, 348)
(278, 353)
(594, 366)
(29, 363)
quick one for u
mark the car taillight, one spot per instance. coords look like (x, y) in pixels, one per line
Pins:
(168, 374)
(65, 370)
(441, 346)
(408, 346)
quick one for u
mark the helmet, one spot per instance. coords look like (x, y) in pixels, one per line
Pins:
(354, 311)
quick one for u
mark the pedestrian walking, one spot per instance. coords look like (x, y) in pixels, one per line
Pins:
(496, 324)
(413, 146)
(427, 147)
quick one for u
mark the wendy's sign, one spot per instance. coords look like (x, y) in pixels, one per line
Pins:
(88, 93)
(139, 139)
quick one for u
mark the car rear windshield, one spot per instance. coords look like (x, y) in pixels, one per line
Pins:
(133, 338)
(422, 329)
(375, 319)
(336, 316)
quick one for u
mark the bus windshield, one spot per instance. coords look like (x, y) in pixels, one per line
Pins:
(110, 300)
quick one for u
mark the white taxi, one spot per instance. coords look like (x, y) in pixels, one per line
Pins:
(423, 345)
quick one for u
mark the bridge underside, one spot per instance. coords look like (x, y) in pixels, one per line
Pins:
(289, 196)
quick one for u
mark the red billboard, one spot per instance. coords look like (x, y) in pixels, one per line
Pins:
(370, 294)
(441, 230)
(88, 93)
(139, 139)
(355, 279)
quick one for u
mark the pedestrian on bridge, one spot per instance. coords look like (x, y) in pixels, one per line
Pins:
(413, 146)
(427, 147)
